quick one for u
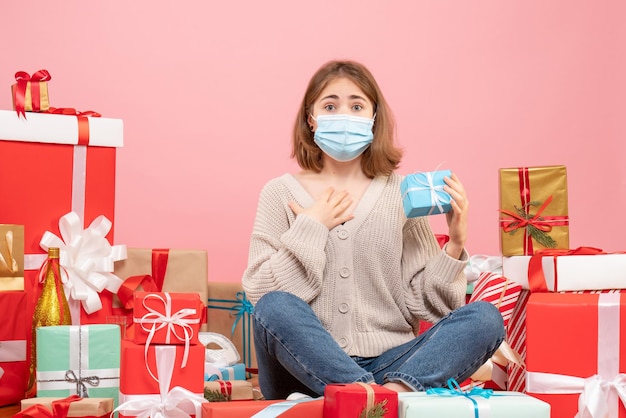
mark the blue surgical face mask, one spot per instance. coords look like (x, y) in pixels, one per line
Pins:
(343, 137)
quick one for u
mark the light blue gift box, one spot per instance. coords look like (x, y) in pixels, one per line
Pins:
(234, 372)
(423, 194)
(78, 359)
(499, 404)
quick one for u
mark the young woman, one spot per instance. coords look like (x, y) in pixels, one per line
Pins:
(340, 277)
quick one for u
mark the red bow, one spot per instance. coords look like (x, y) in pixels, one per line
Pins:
(23, 78)
(59, 409)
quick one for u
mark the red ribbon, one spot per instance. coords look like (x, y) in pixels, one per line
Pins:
(543, 223)
(226, 388)
(83, 122)
(149, 282)
(59, 409)
(536, 278)
(23, 78)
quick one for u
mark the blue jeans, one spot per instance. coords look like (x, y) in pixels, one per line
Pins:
(296, 354)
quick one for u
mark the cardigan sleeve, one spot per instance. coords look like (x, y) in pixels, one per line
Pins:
(435, 282)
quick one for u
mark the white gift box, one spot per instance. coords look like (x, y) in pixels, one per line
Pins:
(571, 272)
(60, 129)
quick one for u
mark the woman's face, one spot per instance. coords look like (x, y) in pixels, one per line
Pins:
(342, 96)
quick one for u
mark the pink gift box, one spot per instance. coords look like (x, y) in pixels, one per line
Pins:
(167, 317)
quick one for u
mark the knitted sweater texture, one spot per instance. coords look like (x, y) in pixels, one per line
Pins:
(369, 281)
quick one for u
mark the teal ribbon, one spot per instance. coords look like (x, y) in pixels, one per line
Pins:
(455, 390)
(240, 308)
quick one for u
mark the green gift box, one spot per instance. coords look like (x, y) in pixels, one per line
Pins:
(79, 359)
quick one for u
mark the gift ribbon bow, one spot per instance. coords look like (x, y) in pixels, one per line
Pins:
(10, 266)
(241, 308)
(60, 409)
(596, 391)
(87, 257)
(176, 403)
(164, 318)
(23, 78)
(438, 196)
(455, 390)
(81, 388)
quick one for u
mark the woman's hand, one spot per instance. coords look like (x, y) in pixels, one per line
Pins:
(457, 217)
(329, 209)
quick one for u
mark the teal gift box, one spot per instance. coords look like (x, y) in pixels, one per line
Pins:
(234, 372)
(498, 404)
(78, 359)
(423, 194)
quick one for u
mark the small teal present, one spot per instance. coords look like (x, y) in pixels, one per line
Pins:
(234, 372)
(423, 194)
(79, 360)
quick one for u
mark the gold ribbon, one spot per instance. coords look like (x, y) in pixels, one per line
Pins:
(370, 396)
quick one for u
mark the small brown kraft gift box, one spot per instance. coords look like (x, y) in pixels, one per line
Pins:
(533, 209)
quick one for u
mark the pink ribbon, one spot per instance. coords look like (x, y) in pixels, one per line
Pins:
(11, 351)
(598, 393)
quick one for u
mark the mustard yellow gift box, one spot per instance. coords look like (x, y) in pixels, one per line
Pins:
(11, 257)
(533, 209)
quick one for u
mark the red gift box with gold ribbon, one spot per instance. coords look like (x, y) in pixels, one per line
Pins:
(533, 209)
(352, 399)
(30, 93)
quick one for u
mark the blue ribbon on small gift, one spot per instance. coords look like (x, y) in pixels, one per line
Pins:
(455, 390)
(240, 308)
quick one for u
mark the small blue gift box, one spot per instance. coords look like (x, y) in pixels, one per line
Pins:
(423, 194)
(234, 372)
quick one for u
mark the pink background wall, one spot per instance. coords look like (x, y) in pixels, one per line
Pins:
(208, 92)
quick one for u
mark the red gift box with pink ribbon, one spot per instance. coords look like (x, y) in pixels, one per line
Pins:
(170, 377)
(57, 165)
(13, 346)
(575, 353)
(167, 318)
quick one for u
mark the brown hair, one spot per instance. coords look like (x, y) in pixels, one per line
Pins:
(380, 158)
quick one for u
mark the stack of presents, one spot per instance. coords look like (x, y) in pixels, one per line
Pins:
(150, 336)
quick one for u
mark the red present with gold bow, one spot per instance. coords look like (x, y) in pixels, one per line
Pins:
(533, 209)
(30, 93)
(352, 399)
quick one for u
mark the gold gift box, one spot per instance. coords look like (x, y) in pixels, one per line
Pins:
(533, 209)
(44, 100)
(11, 257)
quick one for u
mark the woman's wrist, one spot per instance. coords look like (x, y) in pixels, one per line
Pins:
(454, 250)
